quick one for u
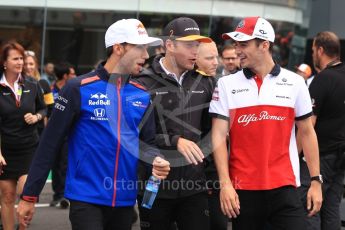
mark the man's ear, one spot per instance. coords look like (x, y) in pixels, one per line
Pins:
(266, 45)
(118, 49)
(169, 45)
(320, 50)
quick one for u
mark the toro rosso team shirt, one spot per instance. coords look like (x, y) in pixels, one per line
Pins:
(261, 115)
(102, 115)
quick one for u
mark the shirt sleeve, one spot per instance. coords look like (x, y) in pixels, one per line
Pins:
(318, 92)
(41, 107)
(219, 106)
(66, 110)
(303, 106)
(148, 148)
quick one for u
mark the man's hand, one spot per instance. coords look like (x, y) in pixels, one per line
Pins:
(25, 212)
(314, 198)
(229, 201)
(160, 168)
(190, 151)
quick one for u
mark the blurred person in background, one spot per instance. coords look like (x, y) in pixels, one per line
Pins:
(207, 59)
(31, 65)
(230, 60)
(64, 72)
(305, 71)
(206, 63)
(22, 107)
(328, 97)
(31, 70)
(49, 74)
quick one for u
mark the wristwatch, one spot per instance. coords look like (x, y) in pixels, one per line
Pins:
(317, 178)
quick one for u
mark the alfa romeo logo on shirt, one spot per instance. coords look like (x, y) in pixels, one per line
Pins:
(245, 119)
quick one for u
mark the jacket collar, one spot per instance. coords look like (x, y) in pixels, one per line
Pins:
(113, 77)
(157, 68)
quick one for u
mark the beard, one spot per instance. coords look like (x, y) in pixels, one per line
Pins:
(316, 62)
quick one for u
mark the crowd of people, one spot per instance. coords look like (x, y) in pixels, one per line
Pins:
(231, 135)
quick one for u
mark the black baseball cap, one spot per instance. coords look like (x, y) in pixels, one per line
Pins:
(184, 29)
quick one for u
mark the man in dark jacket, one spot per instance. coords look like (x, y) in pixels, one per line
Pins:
(181, 99)
(328, 96)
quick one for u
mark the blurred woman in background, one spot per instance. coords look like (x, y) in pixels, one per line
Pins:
(31, 70)
(31, 65)
(22, 107)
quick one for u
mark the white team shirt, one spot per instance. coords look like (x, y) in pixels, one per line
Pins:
(261, 114)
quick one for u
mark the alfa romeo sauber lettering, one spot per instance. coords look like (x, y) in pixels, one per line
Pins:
(245, 119)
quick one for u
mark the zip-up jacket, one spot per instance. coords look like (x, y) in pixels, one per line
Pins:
(102, 115)
(15, 133)
(180, 111)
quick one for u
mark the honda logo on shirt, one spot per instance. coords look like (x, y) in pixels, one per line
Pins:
(99, 115)
(99, 112)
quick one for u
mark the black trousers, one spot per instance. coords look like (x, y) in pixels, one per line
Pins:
(332, 192)
(59, 172)
(218, 221)
(85, 216)
(188, 212)
(281, 208)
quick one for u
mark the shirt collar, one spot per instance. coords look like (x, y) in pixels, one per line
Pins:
(225, 72)
(171, 74)
(4, 82)
(274, 72)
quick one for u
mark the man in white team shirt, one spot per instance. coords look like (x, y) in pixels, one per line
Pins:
(259, 106)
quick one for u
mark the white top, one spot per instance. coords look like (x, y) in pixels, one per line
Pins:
(262, 114)
(309, 80)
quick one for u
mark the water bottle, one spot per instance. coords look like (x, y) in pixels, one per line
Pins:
(151, 190)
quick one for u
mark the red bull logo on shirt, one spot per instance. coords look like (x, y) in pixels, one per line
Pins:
(99, 99)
